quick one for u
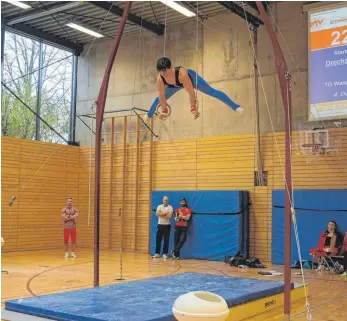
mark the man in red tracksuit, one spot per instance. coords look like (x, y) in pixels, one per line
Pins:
(182, 217)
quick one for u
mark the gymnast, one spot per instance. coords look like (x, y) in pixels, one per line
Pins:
(69, 216)
(172, 79)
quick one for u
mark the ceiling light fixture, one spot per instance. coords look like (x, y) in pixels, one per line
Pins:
(85, 30)
(19, 4)
(176, 6)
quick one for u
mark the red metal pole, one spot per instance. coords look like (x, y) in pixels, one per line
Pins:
(99, 116)
(284, 79)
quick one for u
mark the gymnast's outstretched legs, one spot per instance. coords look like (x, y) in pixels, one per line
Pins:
(169, 92)
(204, 87)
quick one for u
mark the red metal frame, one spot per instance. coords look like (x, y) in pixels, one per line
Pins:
(284, 79)
(99, 116)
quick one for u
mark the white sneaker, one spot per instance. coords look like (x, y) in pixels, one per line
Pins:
(66, 255)
(73, 254)
(155, 256)
(165, 256)
(321, 267)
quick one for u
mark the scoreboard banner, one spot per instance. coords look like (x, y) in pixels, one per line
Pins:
(328, 64)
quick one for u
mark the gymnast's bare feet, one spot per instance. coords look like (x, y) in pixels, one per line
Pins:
(241, 111)
(145, 118)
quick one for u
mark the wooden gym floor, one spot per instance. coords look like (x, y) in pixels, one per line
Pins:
(44, 272)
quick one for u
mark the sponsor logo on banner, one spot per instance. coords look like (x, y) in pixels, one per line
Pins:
(318, 23)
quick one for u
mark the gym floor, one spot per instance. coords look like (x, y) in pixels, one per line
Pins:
(43, 272)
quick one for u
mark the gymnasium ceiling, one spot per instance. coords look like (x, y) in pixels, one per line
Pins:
(47, 19)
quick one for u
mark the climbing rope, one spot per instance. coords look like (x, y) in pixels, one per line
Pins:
(197, 58)
(90, 165)
(291, 197)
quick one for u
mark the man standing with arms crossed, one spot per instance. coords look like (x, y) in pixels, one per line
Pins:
(164, 213)
(69, 215)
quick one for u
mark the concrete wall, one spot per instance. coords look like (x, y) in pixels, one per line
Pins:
(225, 60)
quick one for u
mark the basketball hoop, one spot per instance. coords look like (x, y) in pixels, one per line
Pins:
(316, 142)
(312, 149)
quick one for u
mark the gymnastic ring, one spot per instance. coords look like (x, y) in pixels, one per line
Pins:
(159, 107)
(197, 115)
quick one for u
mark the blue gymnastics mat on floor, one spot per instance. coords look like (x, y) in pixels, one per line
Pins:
(314, 209)
(212, 236)
(144, 300)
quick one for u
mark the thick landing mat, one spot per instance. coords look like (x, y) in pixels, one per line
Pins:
(15, 316)
(144, 300)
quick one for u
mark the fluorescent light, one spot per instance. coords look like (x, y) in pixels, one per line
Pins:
(174, 5)
(40, 14)
(85, 30)
(19, 4)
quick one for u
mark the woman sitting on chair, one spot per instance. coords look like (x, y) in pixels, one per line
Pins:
(329, 243)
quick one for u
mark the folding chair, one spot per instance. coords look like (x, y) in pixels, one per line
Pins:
(332, 264)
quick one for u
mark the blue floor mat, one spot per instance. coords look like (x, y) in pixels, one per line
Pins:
(144, 300)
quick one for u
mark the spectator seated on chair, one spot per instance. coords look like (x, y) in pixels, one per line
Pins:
(330, 243)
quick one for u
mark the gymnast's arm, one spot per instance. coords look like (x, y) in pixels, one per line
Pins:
(161, 90)
(188, 86)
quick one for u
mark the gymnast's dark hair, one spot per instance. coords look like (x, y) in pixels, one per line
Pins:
(163, 64)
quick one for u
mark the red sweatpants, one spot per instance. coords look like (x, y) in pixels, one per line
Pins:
(67, 233)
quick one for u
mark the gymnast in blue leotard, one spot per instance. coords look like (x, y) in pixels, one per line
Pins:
(172, 79)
